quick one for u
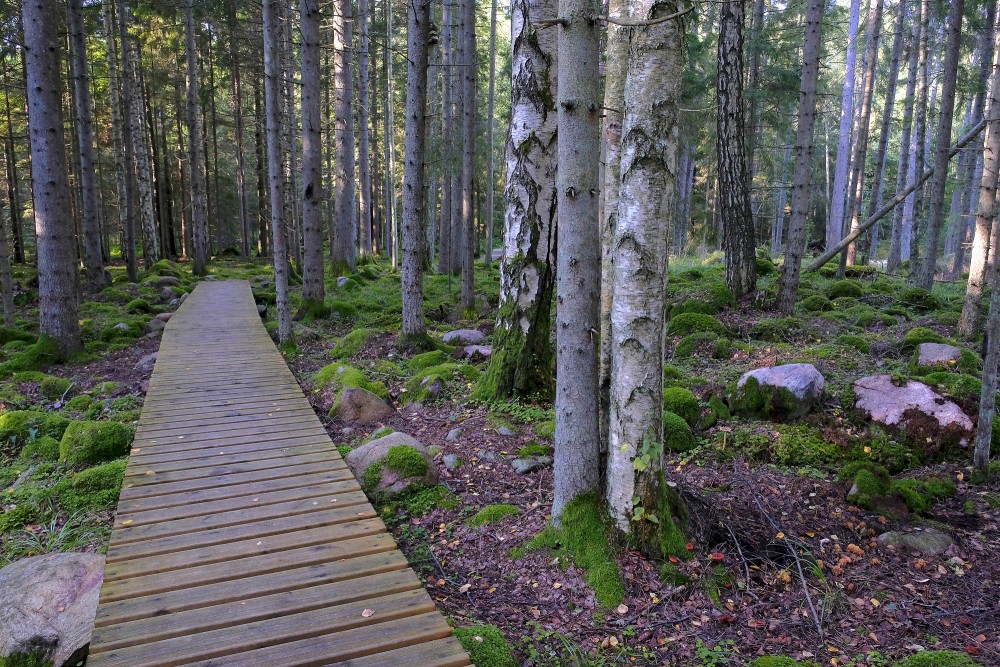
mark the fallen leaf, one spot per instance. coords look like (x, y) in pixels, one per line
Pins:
(464, 588)
(367, 613)
(622, 609)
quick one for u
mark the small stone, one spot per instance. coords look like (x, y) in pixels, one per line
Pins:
(164, 316)
(530, 464)
(477, 352)
(941, 355)
(434, 450)
(175, 302)
(453, 435)
(167, 294)
(360, 406)
(433, 385)
(342, 280)
(506, 431)
(929, 542)
(304, 332)
(147, 362)
(451, 461)
(262, 309)
(167, 281)
(465, 337)
(184, 297)
(155, 325)
(347, 432)
(121, 326)
(486, 455)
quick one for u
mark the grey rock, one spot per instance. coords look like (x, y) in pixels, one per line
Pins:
(374, 453)
(451, 461)
(167, 294)
(165, 317)
(465, 337)
(434, 450)
(530, 464)
(167, 281)
(929, 542)
(121, 326)
(184, 297)
(793, 390)
(937, 354)
(506, 431)
(147, 362)
(49, 605)
(155, 325)
(342, 280)
(175, 302)
(360, 406)
(303, 332)
(433, 385)
(931, 420)
(347, 432)
(477, 352)
(486, 455)
(453, 435)
(262, 309)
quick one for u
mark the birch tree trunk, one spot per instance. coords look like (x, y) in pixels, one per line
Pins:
(364, 153)
(796, 245)
(946, 115)
(905, 168)
(636, 489)
(914, 207)
(93, 259)
(779, 212)
(345, 251)
(57, 279)
(490, 175)
(447, 72)
(734, 196)
(241, 183)
(196, 147)
(521, 364)
(969, 322)
(272, 102)
(468, 37)
(312, 161)
(576, 468)
(840, 183)
(414, 332)
(140, 146)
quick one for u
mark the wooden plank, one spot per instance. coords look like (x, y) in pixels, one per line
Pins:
(268, 450)
(292, 434)
(163, 473)
(438, 653)
(133, 491)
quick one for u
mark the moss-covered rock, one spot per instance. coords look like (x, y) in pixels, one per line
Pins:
(486, 646)
(392, 464)
(92, 489)
(11, 335)
(52, 387)
(351, 344)
(42, 353)
(816, 303)
(337, 376)
(919, 300)
(426, 360)
(45, 448)
(20, 427)
(778, 329)
(688, 323)
(683, 403)
(138, 306)
(703, 343)
(781, 392)
(937, 659)
(430, 383)
(920, 495)
(492, 514)
(677, 435)
(854, 342)
(765, 267)
(343, 310)
(88, 442)
(545, 430)
(918, 335)
(845, 288)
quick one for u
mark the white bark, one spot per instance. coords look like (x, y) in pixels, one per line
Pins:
(364, 158)
(835, 223)
(312, 156)
(344, 252)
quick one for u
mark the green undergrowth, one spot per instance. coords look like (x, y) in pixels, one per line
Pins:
(492, 514)
(486, 646)
(337, 376)
(937, 659)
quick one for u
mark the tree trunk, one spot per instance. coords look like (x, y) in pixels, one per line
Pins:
(969, 322)
(140, 152)
(753, 88)
(635, 483)
(928, 266)
(272, 102)
(312, 161)
(263, 187)
(796, 245)
(241, 183)
(447, 71)
(414, 332)
(93, 260)
(469, 242)
(905, 169)
(779, 210)
(835, 224)
(913, 213)
(734, 196)
(858, 163)
(196, 147)
(364, 160)
(521, 364)
(578, 271)
(345, 251)
(57, 279)
(490, 175)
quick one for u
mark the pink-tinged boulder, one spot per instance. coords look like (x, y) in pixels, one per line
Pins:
(788, 391)
(930, 420)
(932, 356)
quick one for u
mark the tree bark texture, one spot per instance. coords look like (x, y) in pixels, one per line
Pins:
(840, 182)
(312, 158)
(364, 110)
(196, 147)
(468, 69)
(344, 251)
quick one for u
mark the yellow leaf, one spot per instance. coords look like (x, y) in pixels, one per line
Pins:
(127, 522)
(875, 603)
(557, 585)
(780, 536)
(464, 588)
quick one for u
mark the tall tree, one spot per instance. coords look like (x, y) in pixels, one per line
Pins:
(241, 182)
(578, 268)
(469, 243)
(344, 252)
(490, 106)
(364, 160)
(93, 259)
(840, 183)
(57, 279)
(312, 160)
(272, 103)
(447, 72)
(414, 331)
(914, 207)
(905, 169)
(796, 245)
(928, 266)
(196, 147)
(522, 359)
(636, 487)
(730, 142)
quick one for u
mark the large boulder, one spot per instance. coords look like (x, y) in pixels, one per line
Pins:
(465, 337)
(778, 392)
(931, 421)
(49, 606)
(935, 356)
(391, 464)
(360, 406)
(929, 542)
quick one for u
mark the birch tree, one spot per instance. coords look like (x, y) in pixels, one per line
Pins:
(447, 72)
(344, 252)
(196, 147)
(272, 104)
(636, 489)
(840, 179)
(734, 195)
(312, 161)
(578, 266)
(57, 279)
(93, 259)
(905, 170)
(364, 158)
(796, 244)
(414, 332)
(241, 183)
(522, 359)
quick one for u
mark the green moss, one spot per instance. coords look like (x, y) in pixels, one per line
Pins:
(816, 303)
(78, 403)
(920, 495)
(844, 288)
(426, 360)
(918, 335)
(37, 659)
(546, 430)
(350, 344)
(919, 300)
(42, 353)
(937, 659)
(868, 487)
(53, 387)
(343, 309)
(12, 335)
(406, 461)
(534, 449)
(804, 446)
(418, 387)
(372, 477)
(964, 388)
(137, 306)
(45, 448)
(682, 403)
(492, 514)
(693, 306)
(486, 646)
(93, 489)
(677, 435)
(687, 323)
(765, 267)
(418, 501)
(20, 427)
(703, 342)
(780, 661)
(777, 329)
(846, 303)
(969, 362)
(767, 401)
(585, 538)
(166, 267)
(337, 376)
(854, 342)
(717, 410)
(94, 442)
(15, 345)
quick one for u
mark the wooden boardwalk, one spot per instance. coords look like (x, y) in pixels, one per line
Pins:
(241, 538)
